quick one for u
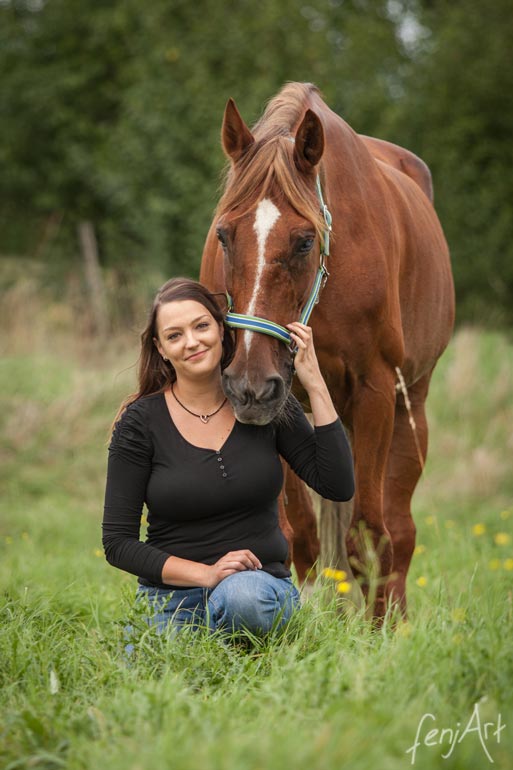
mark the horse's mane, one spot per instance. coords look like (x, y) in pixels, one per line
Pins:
(284, 111)
(268, 166)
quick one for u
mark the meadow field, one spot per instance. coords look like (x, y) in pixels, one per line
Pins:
(331, 693)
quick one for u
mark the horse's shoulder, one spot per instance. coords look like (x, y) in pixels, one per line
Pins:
(402, 160)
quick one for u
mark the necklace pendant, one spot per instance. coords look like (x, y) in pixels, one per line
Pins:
(203, 417)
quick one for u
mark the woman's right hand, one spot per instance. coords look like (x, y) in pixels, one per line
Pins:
(233, 561)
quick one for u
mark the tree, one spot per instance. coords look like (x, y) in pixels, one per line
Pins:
(457, 113)
(113, 113)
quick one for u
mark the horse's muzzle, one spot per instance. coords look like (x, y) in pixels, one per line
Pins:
(254, 403)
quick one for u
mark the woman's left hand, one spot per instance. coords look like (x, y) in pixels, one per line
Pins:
(309, 374)
(305, 362)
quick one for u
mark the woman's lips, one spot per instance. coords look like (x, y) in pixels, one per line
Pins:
(196, 355)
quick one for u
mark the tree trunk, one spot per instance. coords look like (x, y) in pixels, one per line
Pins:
(94, 279)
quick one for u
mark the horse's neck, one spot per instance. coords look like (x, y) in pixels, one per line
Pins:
(347, 162)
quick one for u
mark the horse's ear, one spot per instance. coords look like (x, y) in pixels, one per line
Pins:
(309, 145)
(235, 134)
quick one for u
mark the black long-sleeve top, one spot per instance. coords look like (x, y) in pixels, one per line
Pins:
(203, 503)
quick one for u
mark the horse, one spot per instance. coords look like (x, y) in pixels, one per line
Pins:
(300, 177)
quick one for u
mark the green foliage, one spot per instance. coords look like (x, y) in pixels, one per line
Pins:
(457, 114)
(112, 113)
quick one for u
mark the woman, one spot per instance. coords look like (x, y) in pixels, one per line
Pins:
(214, 553)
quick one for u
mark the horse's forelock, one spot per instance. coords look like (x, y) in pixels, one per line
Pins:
(267, 170)
(268, 166)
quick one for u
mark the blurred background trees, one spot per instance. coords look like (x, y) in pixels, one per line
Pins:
(110, 113)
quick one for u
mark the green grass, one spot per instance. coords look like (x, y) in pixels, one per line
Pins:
(333, 692)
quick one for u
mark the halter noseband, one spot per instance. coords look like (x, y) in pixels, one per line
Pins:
(257, 324)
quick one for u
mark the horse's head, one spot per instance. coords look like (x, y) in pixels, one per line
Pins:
(269, 228)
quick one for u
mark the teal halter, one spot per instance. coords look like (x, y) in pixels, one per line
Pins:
(257, 324)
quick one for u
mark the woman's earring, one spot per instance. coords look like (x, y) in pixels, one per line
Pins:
(164, 358)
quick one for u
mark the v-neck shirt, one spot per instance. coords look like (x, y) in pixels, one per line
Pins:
(203, 503)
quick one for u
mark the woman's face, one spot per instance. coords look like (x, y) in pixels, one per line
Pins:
(190, 337)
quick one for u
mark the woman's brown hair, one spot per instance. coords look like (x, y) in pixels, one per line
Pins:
(154, 374)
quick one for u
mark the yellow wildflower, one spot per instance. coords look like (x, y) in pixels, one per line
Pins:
(508, 564)
(344, 587)
(430, 520)
(421, 581)
(98, 552)
(494, 564)
(450, 524)
(505, 514)
(334, 574)
(8, 540)
(419, 549)
(478, 530)
(458, 614)
(502, 538)
(25, 536)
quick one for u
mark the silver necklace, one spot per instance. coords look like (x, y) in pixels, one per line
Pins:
(203, 417)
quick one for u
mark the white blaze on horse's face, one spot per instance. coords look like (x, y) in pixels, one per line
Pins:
(267, 214)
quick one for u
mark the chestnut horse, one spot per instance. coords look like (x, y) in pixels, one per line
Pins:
(388, 303)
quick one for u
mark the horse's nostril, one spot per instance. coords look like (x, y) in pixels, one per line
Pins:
(235, 389)
(271, 390)
(245, 394)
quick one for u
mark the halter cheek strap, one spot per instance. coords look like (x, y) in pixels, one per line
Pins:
(257, 324)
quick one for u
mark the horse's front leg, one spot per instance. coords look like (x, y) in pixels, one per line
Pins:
(368, 542)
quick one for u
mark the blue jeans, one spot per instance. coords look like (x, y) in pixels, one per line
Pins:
(251, 600)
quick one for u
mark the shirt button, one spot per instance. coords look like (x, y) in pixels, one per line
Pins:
(222, 467)
(219, 459)
(218, 451)
(225, 475)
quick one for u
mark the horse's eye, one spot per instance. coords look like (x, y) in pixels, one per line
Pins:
(221, 237)
(305, 245)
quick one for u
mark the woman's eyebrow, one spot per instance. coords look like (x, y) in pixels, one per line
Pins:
(167, 328)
